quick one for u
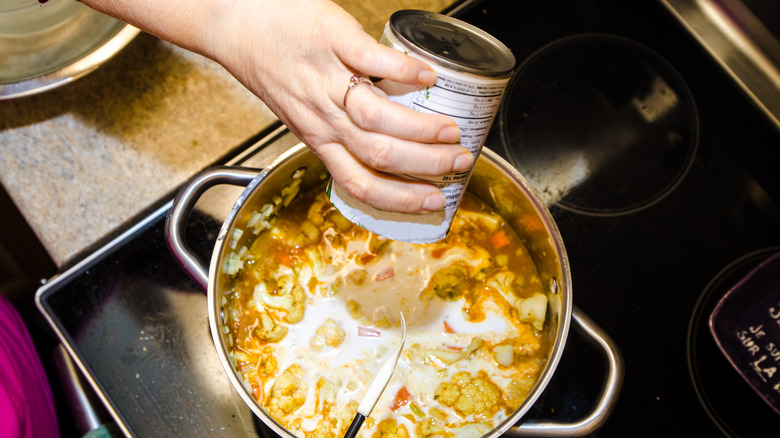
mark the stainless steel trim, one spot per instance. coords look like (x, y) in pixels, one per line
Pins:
(183, 205)
(740, 43)
(75, 270)
(608, 397)
(71, 72)
(128, 234)
(77, 394)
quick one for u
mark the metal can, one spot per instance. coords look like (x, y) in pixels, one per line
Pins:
(473, 70)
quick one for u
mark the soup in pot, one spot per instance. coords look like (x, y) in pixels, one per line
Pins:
(314, 310)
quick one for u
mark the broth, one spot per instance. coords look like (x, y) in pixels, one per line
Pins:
(314, 308)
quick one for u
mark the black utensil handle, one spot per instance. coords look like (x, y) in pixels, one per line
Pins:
(355, 426)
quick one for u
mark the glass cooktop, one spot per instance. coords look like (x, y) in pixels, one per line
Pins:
(659, 172)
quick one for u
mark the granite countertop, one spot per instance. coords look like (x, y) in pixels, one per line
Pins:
(82, 160)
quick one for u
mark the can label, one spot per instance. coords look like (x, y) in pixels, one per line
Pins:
(472, 101)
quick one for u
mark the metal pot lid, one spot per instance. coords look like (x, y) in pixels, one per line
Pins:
(45, 46)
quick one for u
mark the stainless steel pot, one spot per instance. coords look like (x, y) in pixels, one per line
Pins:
(494, 181)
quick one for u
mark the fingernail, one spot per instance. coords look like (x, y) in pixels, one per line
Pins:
(449, 134)
(433, 202)
(427, 77)
(462, 162)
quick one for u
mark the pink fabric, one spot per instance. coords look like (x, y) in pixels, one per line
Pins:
(26, 402)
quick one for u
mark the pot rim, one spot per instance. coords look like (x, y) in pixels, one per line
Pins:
(564, 286)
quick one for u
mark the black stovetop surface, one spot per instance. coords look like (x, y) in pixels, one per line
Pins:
(649, 276)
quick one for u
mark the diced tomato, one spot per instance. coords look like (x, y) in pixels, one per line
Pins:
(384, 275)
(400, 399)
(368, 332)
(499, 240)
(448, 328)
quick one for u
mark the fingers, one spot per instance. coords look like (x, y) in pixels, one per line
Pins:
(373, 112)
(397, 139)
(387, 154)
(377, 60)
(382, 191)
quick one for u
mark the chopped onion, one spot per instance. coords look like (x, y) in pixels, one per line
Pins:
(505, 354)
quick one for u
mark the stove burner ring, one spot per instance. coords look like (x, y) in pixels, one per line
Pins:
(728, 400)
(599, 124)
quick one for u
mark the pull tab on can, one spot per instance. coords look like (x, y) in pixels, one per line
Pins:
(473, 70)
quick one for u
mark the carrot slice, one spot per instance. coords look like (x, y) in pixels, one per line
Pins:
(499, 240)
(448, 328)
(284, 258)
(401, 398)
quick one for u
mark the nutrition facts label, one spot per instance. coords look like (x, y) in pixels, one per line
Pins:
(472, 70)
(473, 106)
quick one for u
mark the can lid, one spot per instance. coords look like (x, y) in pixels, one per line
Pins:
(453, 42)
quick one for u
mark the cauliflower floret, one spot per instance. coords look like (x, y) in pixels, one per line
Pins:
(326, 395)
(465, 266)
(267, 366)
(518, 391)
(288, 297)
(390, 428)
(449, 357)
(429, 426)
(288, 393)
(467, 395)
(268, 330)
(502, 281)
(345, 414)
(328, 334)
(325, 429)
(533, 310)
(448, 283)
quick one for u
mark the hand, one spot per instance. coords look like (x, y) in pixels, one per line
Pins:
(298, 57)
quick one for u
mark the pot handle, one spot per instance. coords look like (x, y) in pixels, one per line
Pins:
(607, 400)
(182, 206)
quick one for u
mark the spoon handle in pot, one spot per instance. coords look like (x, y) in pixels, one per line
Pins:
(354, 427)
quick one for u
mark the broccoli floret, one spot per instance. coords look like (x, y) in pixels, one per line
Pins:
(468, 395)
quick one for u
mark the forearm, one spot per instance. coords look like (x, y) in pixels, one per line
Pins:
(199, 26)
(298, 57)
